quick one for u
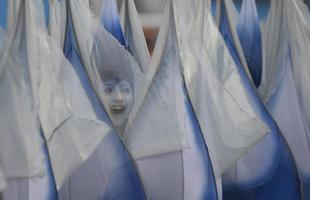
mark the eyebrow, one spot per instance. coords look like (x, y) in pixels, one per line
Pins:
(110, 82)
(125, 82)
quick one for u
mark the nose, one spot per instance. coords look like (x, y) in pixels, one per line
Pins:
(118, 96)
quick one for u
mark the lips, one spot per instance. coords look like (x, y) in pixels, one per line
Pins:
(117, 109)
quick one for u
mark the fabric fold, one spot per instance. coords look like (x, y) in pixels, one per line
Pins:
(285, 81)
(215, 88)
(244, 179)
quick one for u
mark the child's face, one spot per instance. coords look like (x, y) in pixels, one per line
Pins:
(118, 100)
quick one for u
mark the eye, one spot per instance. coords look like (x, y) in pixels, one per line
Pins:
(126, 90)
(108, 90)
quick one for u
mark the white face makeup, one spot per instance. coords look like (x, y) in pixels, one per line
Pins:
(118, 100)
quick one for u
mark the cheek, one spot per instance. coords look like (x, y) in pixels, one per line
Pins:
(107, 99)
(129, 99)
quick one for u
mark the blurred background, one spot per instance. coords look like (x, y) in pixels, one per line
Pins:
(150, 14)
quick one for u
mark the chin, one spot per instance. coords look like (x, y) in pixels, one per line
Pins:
(119, 120)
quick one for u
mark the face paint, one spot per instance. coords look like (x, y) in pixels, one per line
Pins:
(118, 100)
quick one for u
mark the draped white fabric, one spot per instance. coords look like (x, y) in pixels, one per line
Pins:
(57, 20)
(227, 119)
(286, 76)
(132, 29)
(273, 50)
(299, 41)
(3, 40)
(16, 189)
(96, 6)
(154, 113)
(38, 83)
(183, 171)
(65, 127)
(20, 148)
(233, 11)
(133, 33)
(12, 14)
(2, 180)
(64, 121)
(85, 25)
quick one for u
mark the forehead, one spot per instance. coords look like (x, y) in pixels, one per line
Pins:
(113, 75)
(115, 82)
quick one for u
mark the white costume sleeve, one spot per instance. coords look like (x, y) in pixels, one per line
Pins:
(12, 14)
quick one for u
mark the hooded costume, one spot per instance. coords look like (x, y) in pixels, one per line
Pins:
(107, 171)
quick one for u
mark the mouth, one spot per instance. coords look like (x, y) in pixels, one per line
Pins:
(117, 109)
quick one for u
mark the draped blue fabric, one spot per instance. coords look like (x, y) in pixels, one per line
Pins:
(249, 33)
(280, 177)
(109, 17)
(46, 11)
(124, 181)
(213, 8)
(210, 191)
(3, 12)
